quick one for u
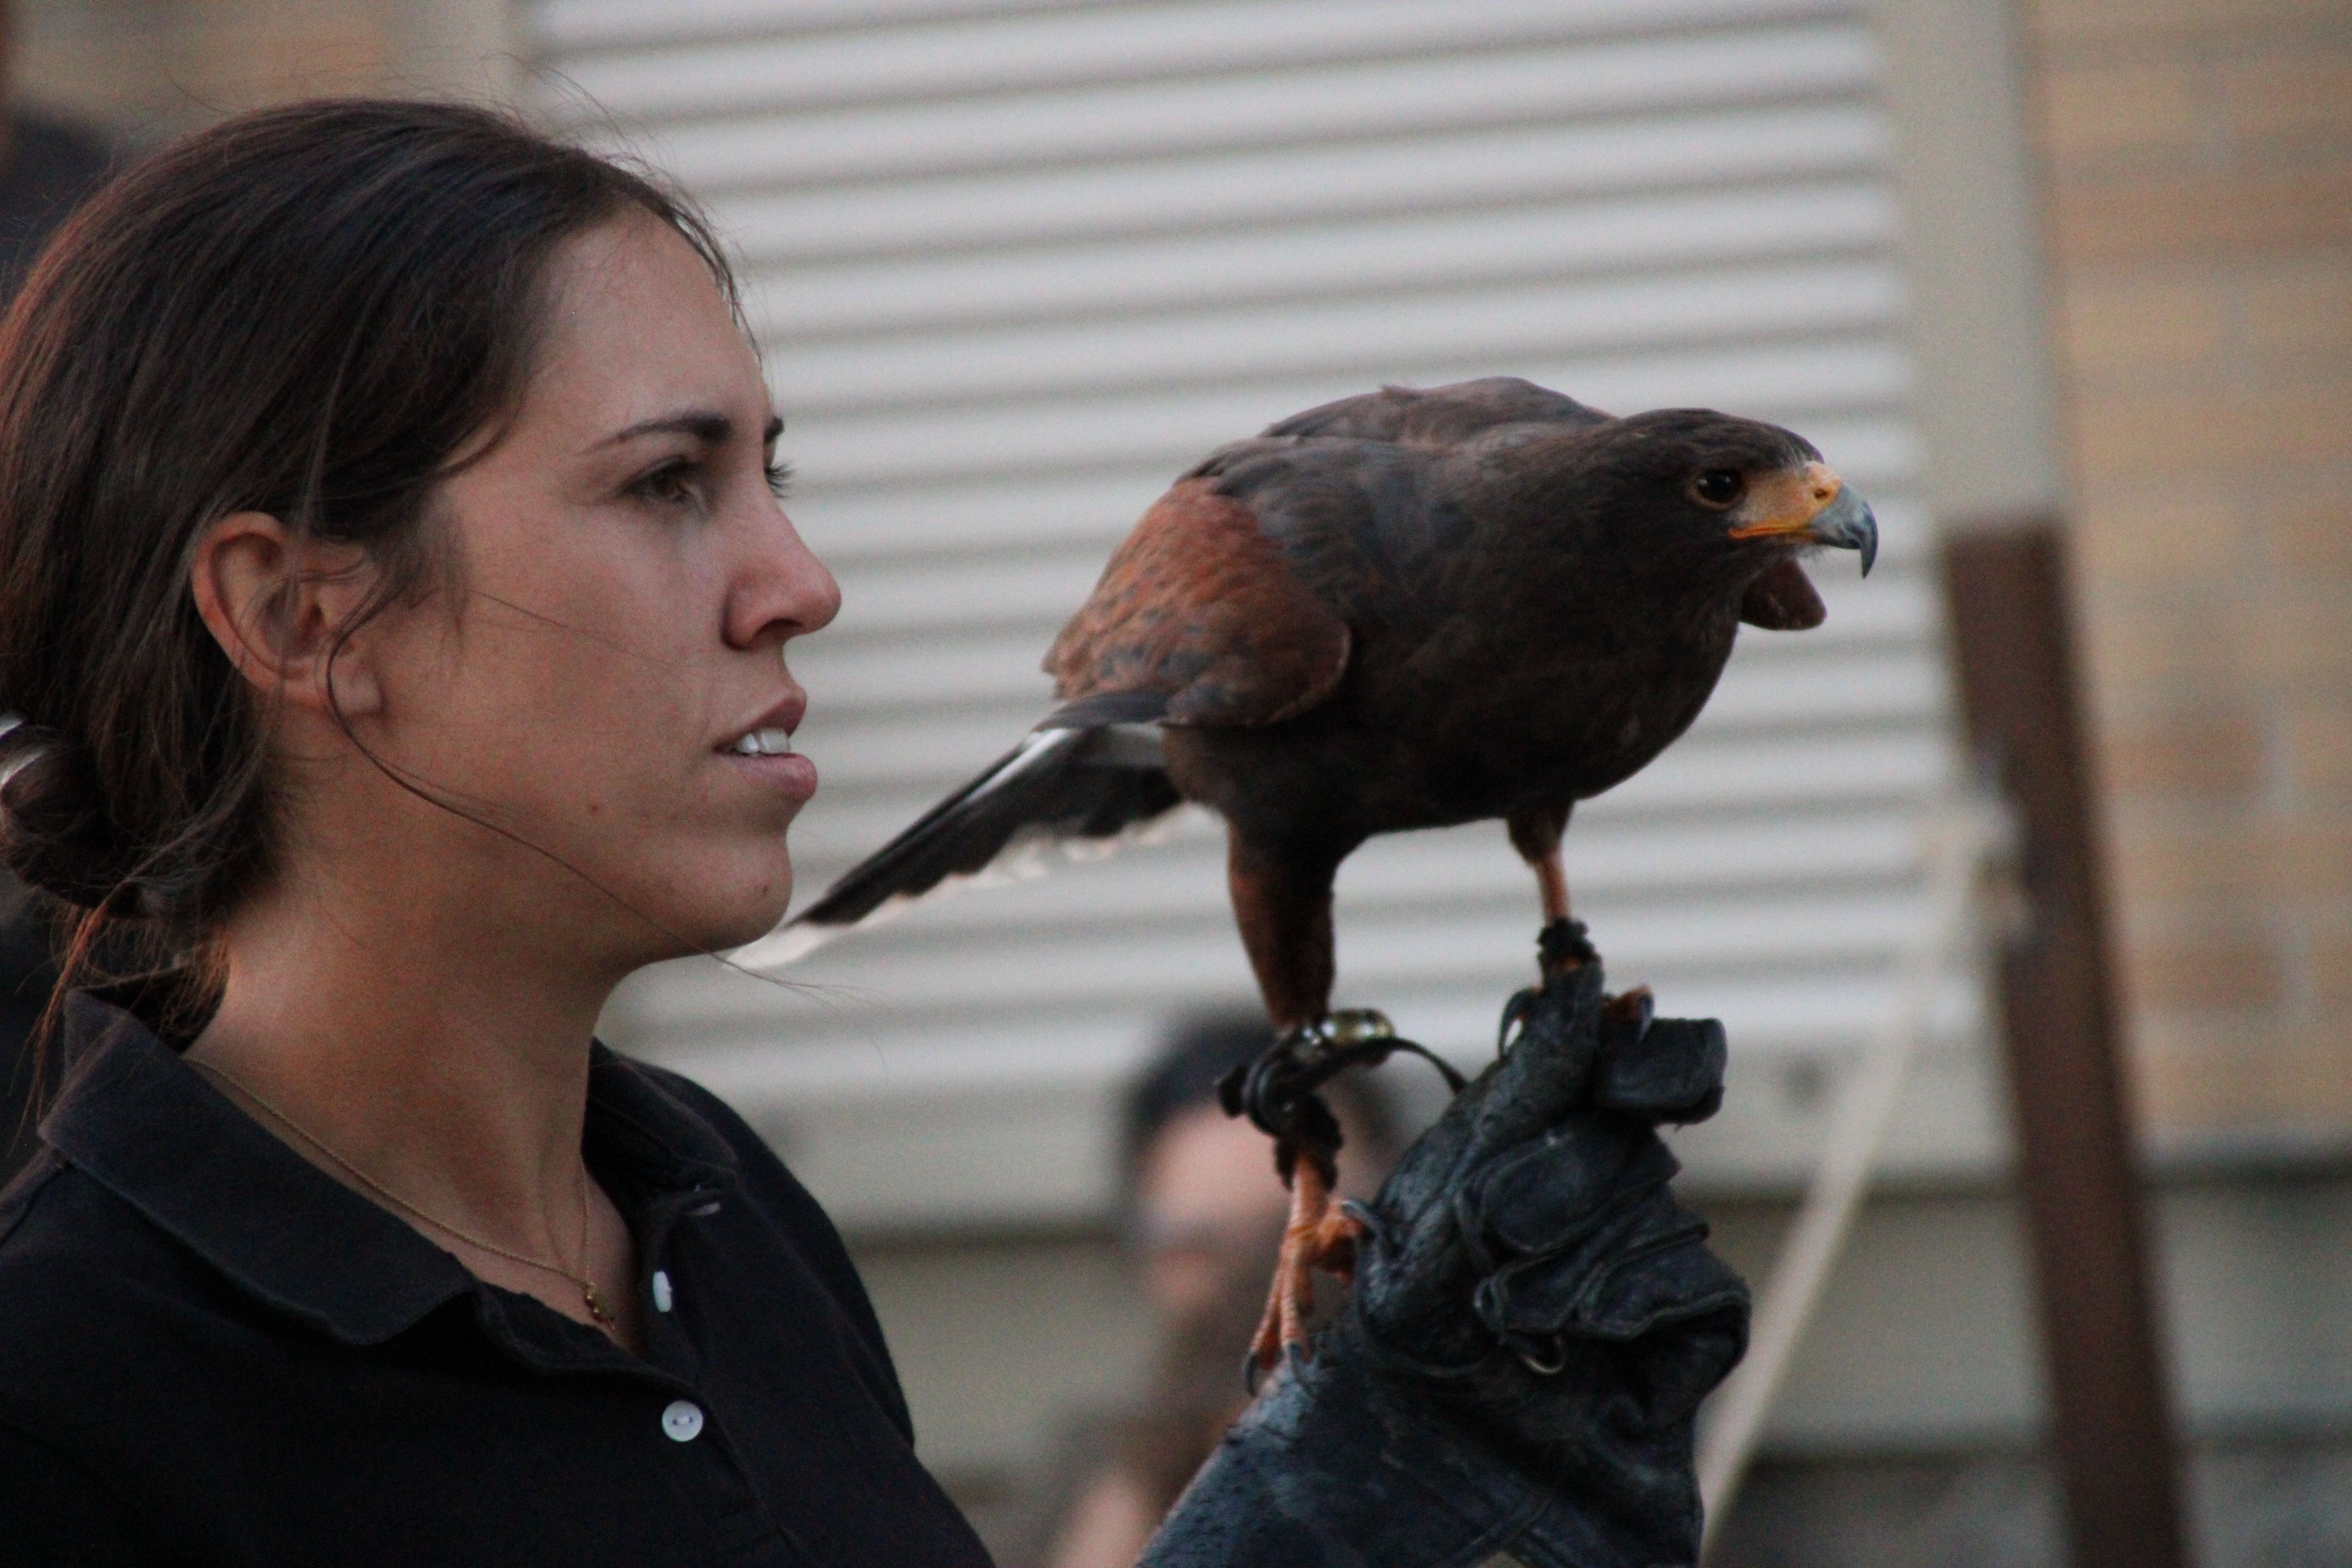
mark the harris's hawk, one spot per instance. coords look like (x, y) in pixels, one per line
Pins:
(1402, 610)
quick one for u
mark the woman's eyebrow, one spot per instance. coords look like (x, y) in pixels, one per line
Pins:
(704, 425)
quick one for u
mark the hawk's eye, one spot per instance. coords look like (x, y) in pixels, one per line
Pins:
(1719, 487)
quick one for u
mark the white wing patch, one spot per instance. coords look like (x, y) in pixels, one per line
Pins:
(1031, 853)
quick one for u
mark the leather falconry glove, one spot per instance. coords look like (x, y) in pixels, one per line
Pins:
(1534, 1322)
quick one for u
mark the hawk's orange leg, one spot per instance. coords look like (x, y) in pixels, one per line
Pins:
(1320, 1234)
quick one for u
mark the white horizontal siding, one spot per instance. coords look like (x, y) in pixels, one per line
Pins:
(1029, 360)
(1295, 186)
(1202, 114)
(667, 65)
(872, 295)
(1014, 266)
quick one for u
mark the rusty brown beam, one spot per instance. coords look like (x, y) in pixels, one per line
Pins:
(2111, 1437)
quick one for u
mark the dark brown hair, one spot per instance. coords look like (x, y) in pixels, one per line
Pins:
(312, 312)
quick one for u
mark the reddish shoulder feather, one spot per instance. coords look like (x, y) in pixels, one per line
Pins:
(1199, 604)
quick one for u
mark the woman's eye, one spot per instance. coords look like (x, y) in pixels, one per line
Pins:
(671, 484)
(780, 478)
(1718, 487)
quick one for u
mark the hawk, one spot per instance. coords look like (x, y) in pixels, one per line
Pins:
(1402, 610)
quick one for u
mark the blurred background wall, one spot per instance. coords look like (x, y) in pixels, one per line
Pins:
(1015, 264)
(2198, 163)
(148, 69)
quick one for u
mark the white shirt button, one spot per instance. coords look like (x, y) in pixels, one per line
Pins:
(662, 1297)
(682, 1422)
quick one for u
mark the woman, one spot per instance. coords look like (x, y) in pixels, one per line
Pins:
(396, 592)
(393, 593)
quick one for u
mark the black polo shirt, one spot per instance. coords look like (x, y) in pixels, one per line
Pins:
(212, 1354)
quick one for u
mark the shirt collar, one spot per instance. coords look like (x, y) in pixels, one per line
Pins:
(150, 1128)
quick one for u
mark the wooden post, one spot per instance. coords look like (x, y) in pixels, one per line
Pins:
(2111, 1437)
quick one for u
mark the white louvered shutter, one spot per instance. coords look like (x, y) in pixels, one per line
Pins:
(1015, 265)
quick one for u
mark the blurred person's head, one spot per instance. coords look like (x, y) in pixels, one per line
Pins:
(1203, 1206)
(1203, 1216)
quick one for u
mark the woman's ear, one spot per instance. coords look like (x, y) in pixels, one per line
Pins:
(278, 602)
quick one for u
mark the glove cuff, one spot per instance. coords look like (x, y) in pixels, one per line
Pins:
(1354, 1459)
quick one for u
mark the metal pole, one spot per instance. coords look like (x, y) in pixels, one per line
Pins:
(2110, 1434)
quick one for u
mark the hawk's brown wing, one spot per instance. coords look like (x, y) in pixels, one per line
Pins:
(1200, 607)
(1197, 620)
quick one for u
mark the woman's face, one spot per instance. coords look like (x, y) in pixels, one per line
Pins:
(609, 683)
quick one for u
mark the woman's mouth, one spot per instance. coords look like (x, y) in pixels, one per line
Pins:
(764, 744)
(767, 754)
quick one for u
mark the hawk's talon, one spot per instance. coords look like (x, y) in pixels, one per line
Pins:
(1515, 1011)
(1542, 1368)
(1561, 946)
(1321, 1234)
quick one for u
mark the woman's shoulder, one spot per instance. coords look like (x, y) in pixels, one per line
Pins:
(60, 1509)
(63, 1234)
(84, 1280)
(80, 1280)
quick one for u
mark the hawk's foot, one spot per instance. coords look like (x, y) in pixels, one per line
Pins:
(1320, 1234)
(1562, 945)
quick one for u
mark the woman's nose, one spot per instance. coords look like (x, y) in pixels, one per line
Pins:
(782, 590)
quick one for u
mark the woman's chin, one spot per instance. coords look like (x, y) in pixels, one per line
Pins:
(754, 918)
(714, 896)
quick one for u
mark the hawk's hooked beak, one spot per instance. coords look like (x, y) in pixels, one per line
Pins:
(1814, 505)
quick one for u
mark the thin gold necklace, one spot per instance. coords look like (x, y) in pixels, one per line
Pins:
(589, 1294)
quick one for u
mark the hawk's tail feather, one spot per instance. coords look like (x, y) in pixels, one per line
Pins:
(1059, 785)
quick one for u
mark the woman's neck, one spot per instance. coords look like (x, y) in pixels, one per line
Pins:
(446, 1064)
